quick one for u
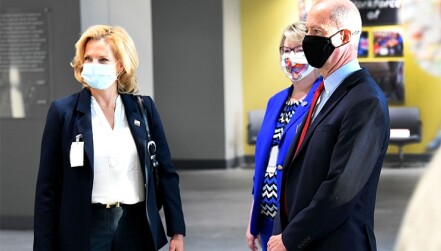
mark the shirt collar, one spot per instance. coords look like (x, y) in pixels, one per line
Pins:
(337, 77)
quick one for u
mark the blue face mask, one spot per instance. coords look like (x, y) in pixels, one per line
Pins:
(99, 76)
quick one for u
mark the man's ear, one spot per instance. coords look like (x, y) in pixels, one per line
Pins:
(346, 36)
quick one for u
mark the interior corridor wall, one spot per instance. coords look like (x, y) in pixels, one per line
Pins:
(198, 88)
(262, 24)
(189, 80)
(20, 138)
(135, 17)
(233, 90)
(190, 63)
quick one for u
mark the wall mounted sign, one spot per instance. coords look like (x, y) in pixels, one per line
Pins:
(24, 63)
(378, 12)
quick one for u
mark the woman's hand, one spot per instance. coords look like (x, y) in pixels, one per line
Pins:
(176, 243)
(251, 240)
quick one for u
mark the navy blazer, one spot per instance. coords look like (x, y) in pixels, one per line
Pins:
(264, 142)
(63, 194)
(330, 185)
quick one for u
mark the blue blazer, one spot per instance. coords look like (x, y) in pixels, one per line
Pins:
(63, 194)
(263, 145)
(331, 183)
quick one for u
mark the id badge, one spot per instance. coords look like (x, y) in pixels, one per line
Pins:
(272, 163)
(77, 153)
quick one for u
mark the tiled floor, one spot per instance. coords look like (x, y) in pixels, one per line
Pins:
(216, 205)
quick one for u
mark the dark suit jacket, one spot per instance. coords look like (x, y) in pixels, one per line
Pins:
(330, 185)
(63, 194)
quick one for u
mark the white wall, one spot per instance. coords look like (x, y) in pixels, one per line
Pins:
(135, 17)
(233, 97)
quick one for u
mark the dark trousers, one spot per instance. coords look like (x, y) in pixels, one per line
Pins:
(122, 228)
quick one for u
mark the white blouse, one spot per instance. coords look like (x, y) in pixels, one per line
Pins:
(117, 170)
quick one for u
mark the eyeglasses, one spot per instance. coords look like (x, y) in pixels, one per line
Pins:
(297, 50)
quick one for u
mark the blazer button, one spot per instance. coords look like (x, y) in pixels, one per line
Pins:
(280, 167)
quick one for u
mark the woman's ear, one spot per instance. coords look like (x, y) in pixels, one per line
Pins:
(119, 67)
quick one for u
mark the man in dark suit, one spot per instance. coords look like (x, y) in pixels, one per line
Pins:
(331, 175)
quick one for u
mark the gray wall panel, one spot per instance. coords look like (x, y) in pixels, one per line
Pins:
(20, 138)
(188, 77)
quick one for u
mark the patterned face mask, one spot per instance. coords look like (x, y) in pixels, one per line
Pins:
(295, 66)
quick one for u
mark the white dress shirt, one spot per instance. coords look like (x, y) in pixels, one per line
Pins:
(117, 170)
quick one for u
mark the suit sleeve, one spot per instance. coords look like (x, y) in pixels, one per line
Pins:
(168, 178)
(363, 135)
(48, 184)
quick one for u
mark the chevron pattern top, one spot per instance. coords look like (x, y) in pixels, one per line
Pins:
(269, 202)
(285, 116)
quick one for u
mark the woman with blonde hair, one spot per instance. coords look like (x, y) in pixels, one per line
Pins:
(97, 187)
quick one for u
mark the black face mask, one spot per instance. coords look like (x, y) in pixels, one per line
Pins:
(318, 49)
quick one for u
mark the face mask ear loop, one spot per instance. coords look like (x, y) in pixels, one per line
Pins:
(330, 38)
(119, 73)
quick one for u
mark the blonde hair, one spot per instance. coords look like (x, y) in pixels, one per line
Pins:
(294, 32)
(123, 49)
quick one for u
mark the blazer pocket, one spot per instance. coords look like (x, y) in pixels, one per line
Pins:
(323, 137)
(325, 128)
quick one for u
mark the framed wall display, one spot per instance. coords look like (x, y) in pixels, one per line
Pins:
(304, 7)
(389, 76)
(387, 43)
(378, 12)
(25, 90)
(363, 45)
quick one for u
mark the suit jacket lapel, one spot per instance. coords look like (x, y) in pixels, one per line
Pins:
(137, 126)
(335, 98)
(139, 134)
(272, 116)
(84, 123)
(303, 108)
(299, 112)
(279, 104)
